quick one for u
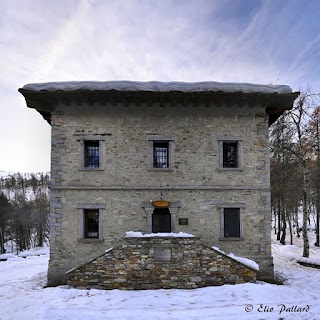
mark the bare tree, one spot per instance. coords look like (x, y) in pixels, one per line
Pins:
(314, 142)
(295, 142)
(25, 221)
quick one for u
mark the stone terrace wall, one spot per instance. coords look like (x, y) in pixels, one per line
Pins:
(133, 265)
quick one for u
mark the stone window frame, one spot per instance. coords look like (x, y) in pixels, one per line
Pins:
(228, 139)
(241, 206)
(160, 138)
(87, 206)
(173, 209)
(81, 140)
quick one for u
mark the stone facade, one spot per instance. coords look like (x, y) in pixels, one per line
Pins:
(123, 187)
(134, 264)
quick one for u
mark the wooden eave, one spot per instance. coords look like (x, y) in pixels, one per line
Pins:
(45, 101)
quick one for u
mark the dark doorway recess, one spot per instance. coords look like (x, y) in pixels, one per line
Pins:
(161, 220)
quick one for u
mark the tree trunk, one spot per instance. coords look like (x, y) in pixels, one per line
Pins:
(305, 213)
(284, 224)
(296, 218)
(317, 184)
(317, 243)
(1, 242)
(279, 220)
(290, 229)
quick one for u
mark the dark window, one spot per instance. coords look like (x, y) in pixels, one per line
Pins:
(161, 220)
(231, 223)
(91, 154)
(161, 154)
(230, 154)
(91, 223)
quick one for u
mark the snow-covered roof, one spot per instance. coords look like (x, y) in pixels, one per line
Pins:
(157, 86)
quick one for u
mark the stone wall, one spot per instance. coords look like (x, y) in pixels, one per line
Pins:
(134, 264)
(125, 183)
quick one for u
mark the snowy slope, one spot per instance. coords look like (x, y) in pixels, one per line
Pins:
(22, 296)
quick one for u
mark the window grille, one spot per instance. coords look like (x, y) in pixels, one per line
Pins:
(231, 222)
(91, 223)
(91, 154)
(230, 154)
(160, 154)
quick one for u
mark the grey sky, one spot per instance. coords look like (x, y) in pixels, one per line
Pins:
(179, 40)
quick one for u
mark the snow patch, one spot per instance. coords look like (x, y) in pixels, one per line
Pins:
(34, 252)
(136, 234)
(217, 249)
(313, 260)
(248, 262)
(6, 256)
(23, 296)
(44, 251)
(158, 86)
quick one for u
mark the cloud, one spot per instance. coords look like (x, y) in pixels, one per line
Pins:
(197, 40)
(144, 40)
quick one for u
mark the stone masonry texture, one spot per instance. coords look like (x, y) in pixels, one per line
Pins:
(132, 265)
(124, 183)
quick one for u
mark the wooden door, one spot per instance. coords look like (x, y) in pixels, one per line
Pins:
(161, 220)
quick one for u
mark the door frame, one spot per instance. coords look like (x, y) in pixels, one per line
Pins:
(149, 209)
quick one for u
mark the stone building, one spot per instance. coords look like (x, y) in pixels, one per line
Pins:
(158, 157)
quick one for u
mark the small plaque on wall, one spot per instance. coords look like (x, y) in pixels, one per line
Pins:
(162, 254)
(183, 221)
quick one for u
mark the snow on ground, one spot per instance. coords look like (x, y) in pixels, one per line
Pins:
(137, 234)
(23, 295)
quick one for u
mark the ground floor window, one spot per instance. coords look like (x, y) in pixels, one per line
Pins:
(90, 218)
(231, 223)
(91, 223)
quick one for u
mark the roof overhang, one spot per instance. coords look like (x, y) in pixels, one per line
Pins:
(46, 99)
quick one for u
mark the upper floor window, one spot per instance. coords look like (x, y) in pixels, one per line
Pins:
(92, 154)
(230, 153)
(160, 153)
(91, 151)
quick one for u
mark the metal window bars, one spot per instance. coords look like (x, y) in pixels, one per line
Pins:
(91, 217)
(91, 154)
(230, 154)
(161, 154)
